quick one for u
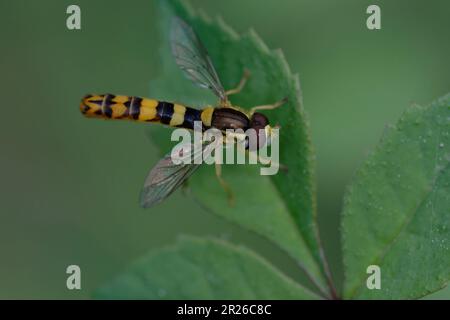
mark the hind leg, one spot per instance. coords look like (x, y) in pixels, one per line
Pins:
(225, 186)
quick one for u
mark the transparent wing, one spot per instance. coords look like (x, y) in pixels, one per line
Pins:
(192, 57)
(167, 176)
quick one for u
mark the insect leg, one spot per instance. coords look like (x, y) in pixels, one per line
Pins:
(266, 161)
(241, 84)
(269, 106)
(224, 185)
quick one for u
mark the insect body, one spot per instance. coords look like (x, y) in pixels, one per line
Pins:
(110, 106)
(192, 58)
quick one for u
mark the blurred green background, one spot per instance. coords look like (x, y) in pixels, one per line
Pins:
(69, 185)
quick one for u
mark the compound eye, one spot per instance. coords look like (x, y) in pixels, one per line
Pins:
(259, 121)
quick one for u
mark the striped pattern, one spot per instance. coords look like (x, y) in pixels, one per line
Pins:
(110, 106)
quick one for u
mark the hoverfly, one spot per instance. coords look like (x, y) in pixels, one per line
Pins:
(192, 57)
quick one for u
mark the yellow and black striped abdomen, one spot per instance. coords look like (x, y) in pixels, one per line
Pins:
(110, 106)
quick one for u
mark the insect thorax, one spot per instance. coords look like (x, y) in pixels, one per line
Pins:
(228, 118)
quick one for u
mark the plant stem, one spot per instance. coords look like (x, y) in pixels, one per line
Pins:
(322, 293)
(329, 278)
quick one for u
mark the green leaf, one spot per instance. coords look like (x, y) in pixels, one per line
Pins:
(203, 269)
(396, 212)
(281, 208)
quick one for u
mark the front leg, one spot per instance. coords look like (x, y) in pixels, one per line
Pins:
(257, 158)
(269, 106)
